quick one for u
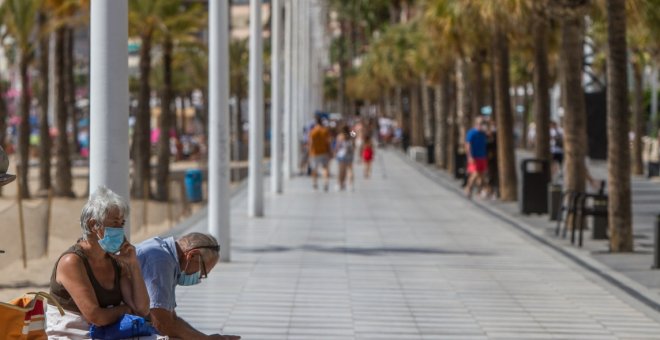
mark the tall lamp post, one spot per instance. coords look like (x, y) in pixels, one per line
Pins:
(109, 98)
(256, 108)
(219, 202)
(276, 99)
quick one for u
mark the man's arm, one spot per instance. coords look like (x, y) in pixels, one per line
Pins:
(468, 151)
(167, 323)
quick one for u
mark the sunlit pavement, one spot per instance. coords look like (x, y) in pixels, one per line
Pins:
(399, 258)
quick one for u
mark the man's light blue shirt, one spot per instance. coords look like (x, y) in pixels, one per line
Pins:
(159, 263)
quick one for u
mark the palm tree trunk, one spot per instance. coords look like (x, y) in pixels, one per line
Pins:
(142, 131)
(71, 88)
(417, 121)
(477, 85)
(205, 111)
(452, 125)
(239, 128)
(638, 114)
(618, 153)
(541, 86)
(387, 98)
(505, 143)
(163, 169)
(464, 110)
(441, 115)
(404, 116)
(398, 106)
(44, 137)
(180, 108)
(343, 69)
(24, 129)
(3, 120)
(63, 178)
(525, 117)
(426, 112)
(575, 120)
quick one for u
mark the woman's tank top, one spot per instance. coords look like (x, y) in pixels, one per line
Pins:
(105, 297)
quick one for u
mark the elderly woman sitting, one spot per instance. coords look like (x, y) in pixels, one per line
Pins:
(98, 279)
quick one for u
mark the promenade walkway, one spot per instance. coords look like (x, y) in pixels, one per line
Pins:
(400, 258)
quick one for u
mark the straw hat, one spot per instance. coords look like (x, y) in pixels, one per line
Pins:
(5, 178)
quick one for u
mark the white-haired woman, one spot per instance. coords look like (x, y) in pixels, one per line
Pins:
(98, 279)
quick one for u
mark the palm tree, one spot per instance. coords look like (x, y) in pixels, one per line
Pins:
(618, 154)
(178, 26)
(238, 77)
(20, 20)
(65, 14)
(504, 117)
(460, 28)
(642, 47)
(571, 17)
(496, 15)
(541, 80)
(144, 21)
(63, 177)
(44, 136)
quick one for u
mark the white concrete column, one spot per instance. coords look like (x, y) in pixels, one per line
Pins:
(296, 89)
(219, 181)
(109, 106)
(276, 99)
(288, 34)
(654, 97)
(304, 63)
(256, 109)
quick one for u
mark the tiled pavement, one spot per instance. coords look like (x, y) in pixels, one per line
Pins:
(399, 258)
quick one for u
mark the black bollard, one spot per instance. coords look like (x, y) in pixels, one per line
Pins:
(554, 201)
(600, 218)
(656, 249)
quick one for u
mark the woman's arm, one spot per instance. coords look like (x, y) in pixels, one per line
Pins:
(133, 289)
(72, 275)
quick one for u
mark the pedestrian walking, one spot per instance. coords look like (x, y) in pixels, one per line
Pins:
(319, 153)
(475, 150)
(492, 187)
(344, 152)
(367, 155)
(556, 149)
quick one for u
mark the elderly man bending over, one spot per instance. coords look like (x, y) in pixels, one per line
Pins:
(167, 263)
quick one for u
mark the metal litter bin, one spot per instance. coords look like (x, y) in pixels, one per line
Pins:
(193, 183)
(460, 161)
(534, 189)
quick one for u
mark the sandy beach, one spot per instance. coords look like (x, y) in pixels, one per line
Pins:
(65, 228)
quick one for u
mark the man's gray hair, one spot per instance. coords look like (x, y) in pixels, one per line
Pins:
(97, 207)
(205, 243)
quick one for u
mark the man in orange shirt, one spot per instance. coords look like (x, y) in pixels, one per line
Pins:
(319, 152)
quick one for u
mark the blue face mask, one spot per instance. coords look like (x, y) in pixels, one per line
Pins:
(189, 279)
(112, 239)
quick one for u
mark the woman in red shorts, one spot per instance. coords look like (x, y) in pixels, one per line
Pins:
(367, 155)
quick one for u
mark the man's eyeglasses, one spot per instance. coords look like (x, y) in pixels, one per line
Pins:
(204, 273)
(215, 247)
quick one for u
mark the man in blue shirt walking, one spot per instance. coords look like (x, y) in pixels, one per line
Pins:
(475, 151)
